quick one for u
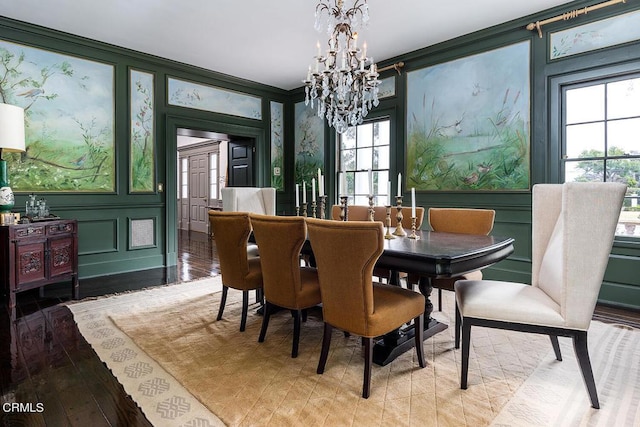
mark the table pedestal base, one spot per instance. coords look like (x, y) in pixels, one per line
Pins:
(395, 343)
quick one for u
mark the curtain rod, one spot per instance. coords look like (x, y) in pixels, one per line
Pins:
(570, 15)
(397, 66)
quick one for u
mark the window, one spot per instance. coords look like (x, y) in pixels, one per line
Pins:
(365, 148)
(184, 178)
(601, 135)
(213, 176)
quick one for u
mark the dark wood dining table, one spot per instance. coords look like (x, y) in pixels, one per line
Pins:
(433, 255)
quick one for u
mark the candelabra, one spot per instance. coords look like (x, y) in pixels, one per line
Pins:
(344, 210)
(399, 228)
(313, 208)
(304, 209)
(297, 210)
(371, 210)
(388, 235)
(323, 201)
(413, 234)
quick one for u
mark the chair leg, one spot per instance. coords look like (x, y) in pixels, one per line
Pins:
(368, 361)
(297, 317)
(466, 342)
(418, 323)
(324, 353)
(245, 309)
(223, 301)
(266, 315)
(458, 326)
(582, 353)
(439, 299)
(305, 314)
(556, 347)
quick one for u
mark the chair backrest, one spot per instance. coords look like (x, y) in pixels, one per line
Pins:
(249, 199)
(346, 252)
(280, 239)
(573, 228)
(361, 213)
(461, 220)
(231, 231)
(354, 212)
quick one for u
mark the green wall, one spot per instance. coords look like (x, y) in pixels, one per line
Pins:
(513, 209)
(104, 230)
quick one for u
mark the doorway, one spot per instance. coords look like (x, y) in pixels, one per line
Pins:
(207, 162)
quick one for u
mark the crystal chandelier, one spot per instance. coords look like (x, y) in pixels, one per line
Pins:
(339, 83)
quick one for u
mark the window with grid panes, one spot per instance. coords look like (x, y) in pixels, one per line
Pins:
(601, 139)
(213, 176)
(362, 148)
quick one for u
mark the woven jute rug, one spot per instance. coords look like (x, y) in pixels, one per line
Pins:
(183, 367)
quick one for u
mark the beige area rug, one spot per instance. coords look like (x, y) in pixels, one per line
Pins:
(182, 367)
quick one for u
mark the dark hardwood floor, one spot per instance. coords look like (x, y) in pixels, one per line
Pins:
(45, 361)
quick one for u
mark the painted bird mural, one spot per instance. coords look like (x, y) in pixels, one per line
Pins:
(32, 93)
(79, 162)
(471, 179)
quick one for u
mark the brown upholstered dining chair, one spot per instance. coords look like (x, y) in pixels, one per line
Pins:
(231, 231)
(573, 227)
(346, 253)
(285, 283)
(361, 213)
(354, 212)
(464, 221)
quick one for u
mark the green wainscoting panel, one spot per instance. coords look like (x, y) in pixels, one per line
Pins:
(97, 236)
(620, 295)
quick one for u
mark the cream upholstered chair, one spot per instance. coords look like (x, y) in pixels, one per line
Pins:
(285, 283)
(573, 230)
(239, 271)
(464, 221)
(346, 252)
(249, 199)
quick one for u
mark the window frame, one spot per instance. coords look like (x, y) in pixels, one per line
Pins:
(380, 190)
(558, 125)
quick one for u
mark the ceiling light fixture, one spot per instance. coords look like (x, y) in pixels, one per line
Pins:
(342, 84)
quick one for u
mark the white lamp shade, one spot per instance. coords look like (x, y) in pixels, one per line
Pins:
(11, 128)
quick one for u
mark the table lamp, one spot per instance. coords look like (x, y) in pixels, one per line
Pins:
(11, 140)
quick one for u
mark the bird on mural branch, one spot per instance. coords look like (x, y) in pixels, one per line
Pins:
(79, 162)
(32, 93)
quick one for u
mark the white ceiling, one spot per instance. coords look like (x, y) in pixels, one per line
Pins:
(270, 42)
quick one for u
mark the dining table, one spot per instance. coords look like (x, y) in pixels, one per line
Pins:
(433, 255)
(429, 255)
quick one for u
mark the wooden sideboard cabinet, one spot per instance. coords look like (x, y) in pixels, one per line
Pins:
(37, 254)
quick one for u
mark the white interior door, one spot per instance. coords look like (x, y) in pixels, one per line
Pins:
(199, 193)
